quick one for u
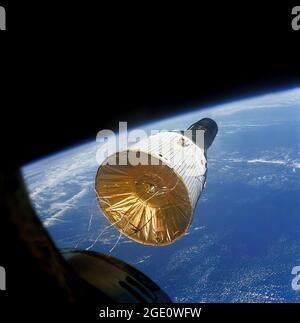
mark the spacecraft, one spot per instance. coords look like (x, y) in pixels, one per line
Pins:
(149, 191)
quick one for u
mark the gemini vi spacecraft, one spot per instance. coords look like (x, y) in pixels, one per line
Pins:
(149, 191)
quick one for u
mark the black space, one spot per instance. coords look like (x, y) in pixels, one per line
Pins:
(71, 70)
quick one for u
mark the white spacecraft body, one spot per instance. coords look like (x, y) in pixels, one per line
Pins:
(149, 191)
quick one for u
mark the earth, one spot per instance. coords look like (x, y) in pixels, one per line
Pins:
(245, 236)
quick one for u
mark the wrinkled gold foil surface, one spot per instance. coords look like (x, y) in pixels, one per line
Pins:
(147, 203)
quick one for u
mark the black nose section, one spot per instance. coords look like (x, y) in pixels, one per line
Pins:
(210, 128)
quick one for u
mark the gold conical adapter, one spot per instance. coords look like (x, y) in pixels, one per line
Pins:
(148, 203)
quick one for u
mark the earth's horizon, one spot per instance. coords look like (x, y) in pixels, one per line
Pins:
(245, 236)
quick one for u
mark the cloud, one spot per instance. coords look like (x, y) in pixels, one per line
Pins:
(65, 206)
(265, 161)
